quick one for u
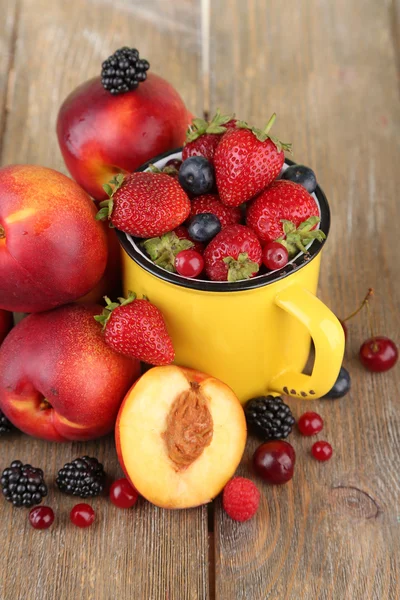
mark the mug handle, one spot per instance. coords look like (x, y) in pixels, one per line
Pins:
(328, 337)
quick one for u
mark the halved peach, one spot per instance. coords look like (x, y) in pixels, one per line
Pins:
(180, 436)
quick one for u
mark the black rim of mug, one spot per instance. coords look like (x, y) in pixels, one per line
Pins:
(238, 286)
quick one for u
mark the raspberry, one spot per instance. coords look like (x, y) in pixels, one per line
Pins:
(240, 499)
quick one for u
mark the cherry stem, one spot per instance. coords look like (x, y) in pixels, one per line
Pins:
(363, 303)
(269, 124)
(371, 329)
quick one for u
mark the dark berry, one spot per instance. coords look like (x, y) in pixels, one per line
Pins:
(204, 227)
(275, 256)
(321, 451)
(379, 354)
(41, 517)
(189, 263)
(269, 417)
(123, 494)
(23, 485)
(302, 175)
(175, 163)
(123, 71)
(5, 425)
(341, 386)
(83, 477)
(310, 423)
(196, 175)
(82, 515)
(274, 461)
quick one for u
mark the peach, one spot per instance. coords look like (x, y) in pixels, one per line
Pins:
(52, 251)
(100, 134)
(180, 435)
(6, 323)
(59, 380)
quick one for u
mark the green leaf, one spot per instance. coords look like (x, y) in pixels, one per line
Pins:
(288, 226)
(108, 189)
(103, 214)
(242, 125)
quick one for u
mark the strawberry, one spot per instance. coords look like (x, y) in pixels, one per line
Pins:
(164, 249)
(136, 328)
(210, 203)
(145, 204)
(202, 137)
(183, 234)
(281, 200)
(246, 160)
(234, 254)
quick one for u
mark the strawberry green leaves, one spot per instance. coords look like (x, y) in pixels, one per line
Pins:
(199, 127)
(263, 134)
(106, 207)
(110, 306)
(242, 268)
(163, 250)
(296, 239)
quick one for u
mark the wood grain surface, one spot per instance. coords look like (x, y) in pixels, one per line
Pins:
(330, 71)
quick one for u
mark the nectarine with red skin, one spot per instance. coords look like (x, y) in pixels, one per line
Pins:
(52, 250)
(100, 134)
(59, 380)
(6, 323)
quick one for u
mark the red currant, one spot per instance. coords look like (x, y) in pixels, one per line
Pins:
(310, 423)
(274, 461)
(189, 263)
(82, 515)
(322, 451)
(122, 494)
(41, 517)
(379, 353)
(275, 256)
(174, 162)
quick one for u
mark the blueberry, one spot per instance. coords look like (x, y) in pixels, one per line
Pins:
(203, 227)
(196, 175)
(302, 175)
(341, 386)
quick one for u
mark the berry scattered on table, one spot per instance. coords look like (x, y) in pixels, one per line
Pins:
(5, 425)
(23, 485)
(144, 204)
(234, 254)
(302, 175)
(240, 499)
(136, 328)
(189, 263)
(275, 256)
(123, 71)
(123, 494)
(210, 203)
(83, 477)
(269, 417)
(41, 517)
(196, 175)
(321, 451)
(246, 160)
(341, 386)
(204, 227)
(379, 353)
(203, 137)
(82, 515)
(310, 423)
(274, 462)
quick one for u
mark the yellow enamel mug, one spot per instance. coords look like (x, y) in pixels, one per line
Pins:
(254, 335)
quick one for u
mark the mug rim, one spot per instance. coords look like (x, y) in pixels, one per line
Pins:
(237, 286)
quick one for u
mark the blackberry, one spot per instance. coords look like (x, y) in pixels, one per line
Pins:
(83, 477)
(23, 485)
(269, 417)
(123, 71)
(5, 425)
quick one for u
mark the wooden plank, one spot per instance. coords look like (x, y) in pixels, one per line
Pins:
(145, 553)
(334, 531)
(7, 42)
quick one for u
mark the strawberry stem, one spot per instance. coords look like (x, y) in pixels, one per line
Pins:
(104, 317)
(268, 126)
(363, 303)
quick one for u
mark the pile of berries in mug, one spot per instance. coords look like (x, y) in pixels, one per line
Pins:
(220, 213)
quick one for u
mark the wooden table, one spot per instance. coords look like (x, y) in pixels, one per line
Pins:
(329, 70)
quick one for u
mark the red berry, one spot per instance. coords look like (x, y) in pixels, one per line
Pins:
(321, 451)
(379, 353)
(274, 461)
(41, 517)
(82, 515)
(123, 494)
(275, 256)
(310, 423)
(175, 163)
(210, 203)
(240, 499)
(189, 263)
